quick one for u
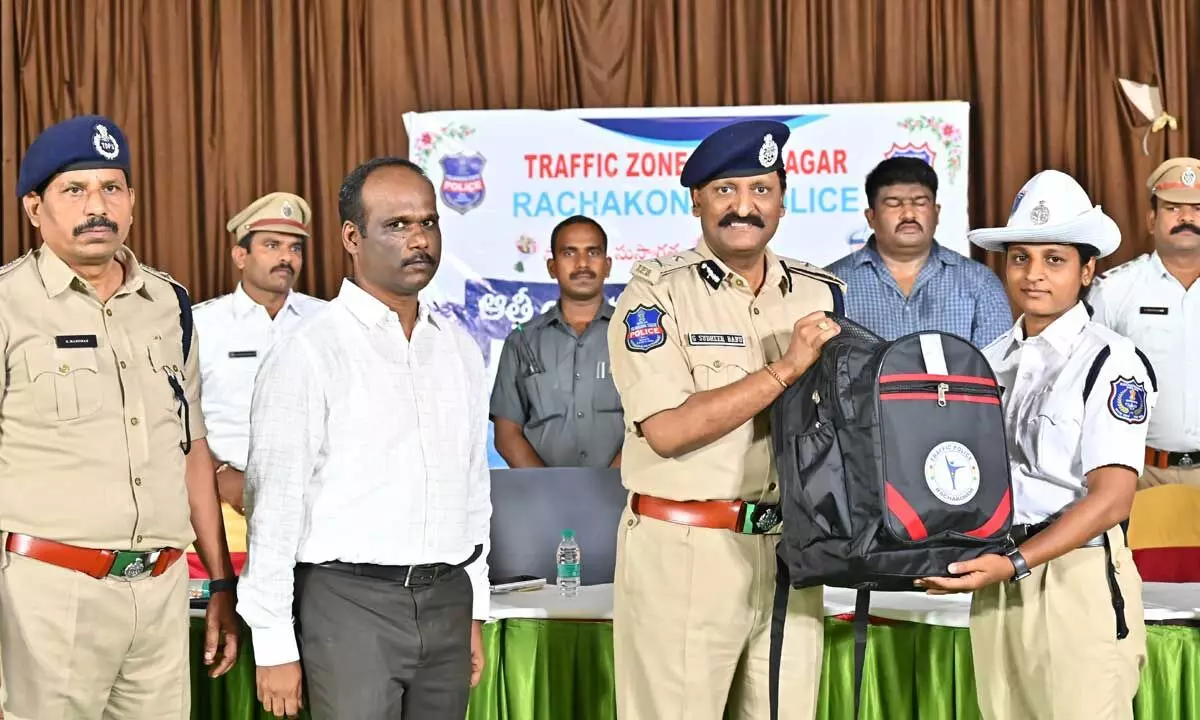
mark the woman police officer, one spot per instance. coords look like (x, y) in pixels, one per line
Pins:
(1057, 629)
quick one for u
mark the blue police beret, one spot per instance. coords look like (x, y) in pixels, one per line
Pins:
(742, 149)
(81, 143)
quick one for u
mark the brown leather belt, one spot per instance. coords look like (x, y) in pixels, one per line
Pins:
(1164, 459)
(93, 562)
(739, 516)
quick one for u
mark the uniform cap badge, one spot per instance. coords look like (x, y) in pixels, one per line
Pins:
(105, 143)
(1040, 214)
(769, 152)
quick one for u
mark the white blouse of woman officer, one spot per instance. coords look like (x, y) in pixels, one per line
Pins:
(1056, 630)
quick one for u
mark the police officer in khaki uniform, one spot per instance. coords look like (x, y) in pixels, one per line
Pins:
(105, 476)
(1154, 300)
(701, 344)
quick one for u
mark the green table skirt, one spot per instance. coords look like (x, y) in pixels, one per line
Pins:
(556, 669)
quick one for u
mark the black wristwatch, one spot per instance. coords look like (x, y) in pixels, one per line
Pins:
(1019, 565)
(222, 585)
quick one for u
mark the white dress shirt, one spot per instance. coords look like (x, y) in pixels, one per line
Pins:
(1145, 303)
(235, 334)
(365, 447)
(1055, 439)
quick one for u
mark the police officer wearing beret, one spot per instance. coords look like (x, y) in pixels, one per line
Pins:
(701, 344)
(1154, 300)
(236, 331)
(105, 475)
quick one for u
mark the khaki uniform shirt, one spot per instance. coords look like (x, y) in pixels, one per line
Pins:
(716, 333)
(90, 429)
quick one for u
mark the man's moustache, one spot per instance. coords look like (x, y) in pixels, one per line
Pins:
(909, 223)
(418, 257)
(93, 223)
(732, 218)
(1185, 227)
(583, 274)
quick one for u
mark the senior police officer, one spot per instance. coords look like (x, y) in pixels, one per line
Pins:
(702, 343)
(1155, 301)
(554, 403)
(102, 454)
(236, 331)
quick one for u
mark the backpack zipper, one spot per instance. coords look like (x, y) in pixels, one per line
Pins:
(940, 390)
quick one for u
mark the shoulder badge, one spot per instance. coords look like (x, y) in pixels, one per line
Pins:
(652, 270)
(15, 263)
(644, 329)
(1127, 401)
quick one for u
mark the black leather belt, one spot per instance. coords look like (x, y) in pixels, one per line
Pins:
(410, 575)
(1021, 533)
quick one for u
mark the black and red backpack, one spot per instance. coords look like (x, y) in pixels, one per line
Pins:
(893, 463)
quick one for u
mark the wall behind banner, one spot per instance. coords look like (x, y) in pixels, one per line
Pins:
(250, 97)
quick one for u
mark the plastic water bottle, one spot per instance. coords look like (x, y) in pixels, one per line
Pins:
(568, 557)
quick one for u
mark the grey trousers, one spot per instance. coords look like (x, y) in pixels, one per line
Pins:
(373, 649)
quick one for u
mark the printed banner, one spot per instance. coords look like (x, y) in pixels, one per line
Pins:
(505, 178)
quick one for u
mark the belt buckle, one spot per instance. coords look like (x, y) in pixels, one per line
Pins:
(1186, 460)
(129, 564)
(760, 519)
(425, 575)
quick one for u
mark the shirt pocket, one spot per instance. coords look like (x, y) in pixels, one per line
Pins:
(607, 399)
(66, 381)
(546, 399)
(164, 378)
(715, 367)
(1055, 450)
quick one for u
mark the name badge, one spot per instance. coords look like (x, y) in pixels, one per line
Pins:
(717, 339)
(243, 353)
(1153, 310)
(76, 341)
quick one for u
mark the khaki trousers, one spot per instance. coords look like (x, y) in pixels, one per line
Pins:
(1152, 476)
(1046, 648)
(78, 648)
(692, 624)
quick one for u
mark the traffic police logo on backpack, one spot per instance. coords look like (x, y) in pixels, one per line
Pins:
(893, 464)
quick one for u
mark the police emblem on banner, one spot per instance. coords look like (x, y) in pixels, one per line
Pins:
(644, 329)
(922, 151)
(952, 473)
(1127, 400)
(462, 181)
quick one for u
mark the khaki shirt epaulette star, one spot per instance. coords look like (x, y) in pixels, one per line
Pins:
(90, 426)
(687, 324)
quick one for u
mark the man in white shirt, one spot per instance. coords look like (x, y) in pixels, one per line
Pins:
(367, 485)
(237, 329)
(1154, 300)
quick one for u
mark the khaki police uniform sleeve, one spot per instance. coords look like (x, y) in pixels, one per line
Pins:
(1117, 412)
(507, 401)
(191, 388)
(649, 366)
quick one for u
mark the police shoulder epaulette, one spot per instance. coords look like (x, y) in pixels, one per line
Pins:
(209, 301)
(653, 270)
(1117, 270)
(15, 263)
(796, 267)
(161, 274)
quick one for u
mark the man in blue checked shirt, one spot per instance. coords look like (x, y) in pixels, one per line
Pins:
(902, 281)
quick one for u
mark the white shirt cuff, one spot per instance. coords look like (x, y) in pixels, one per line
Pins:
(481, 606)
(275, 646)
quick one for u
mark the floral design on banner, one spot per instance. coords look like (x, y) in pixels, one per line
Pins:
(427, 142)
(946, 134)
(526, 248)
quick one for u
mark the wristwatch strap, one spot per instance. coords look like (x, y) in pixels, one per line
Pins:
(222, 585)
(1019, 565)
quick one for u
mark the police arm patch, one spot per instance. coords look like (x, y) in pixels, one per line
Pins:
(1127, 400)
(644, 329)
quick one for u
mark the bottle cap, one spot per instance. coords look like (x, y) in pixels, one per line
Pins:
(568, 534)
